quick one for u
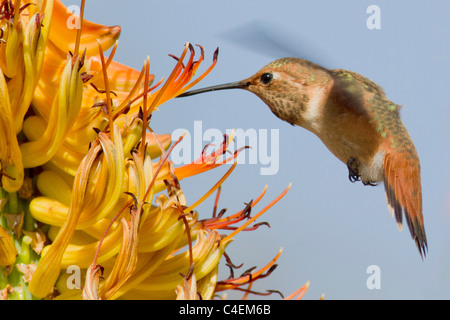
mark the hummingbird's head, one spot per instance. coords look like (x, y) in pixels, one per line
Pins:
(291, 87)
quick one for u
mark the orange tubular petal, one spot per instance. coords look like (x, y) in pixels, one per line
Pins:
(214, 188)
(161, 91)
(193, 169)
(246, 224)
(96, 63)
(205, 163)
(200, 60)
(185, 75)
(129, 98)
(108, 92)
(300, 292)
(123, 106)
(162, 162)
(247, 291)
(78, 38)
(234, 283)
(217, 223)
(65, 38)
(193, 83)
(145, 113)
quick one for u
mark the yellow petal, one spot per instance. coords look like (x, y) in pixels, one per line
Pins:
(10, 154)
(8, 251)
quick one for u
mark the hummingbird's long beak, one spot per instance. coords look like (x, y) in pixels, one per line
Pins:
(226, 86)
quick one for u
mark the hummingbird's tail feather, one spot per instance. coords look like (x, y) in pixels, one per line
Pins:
(404, 194)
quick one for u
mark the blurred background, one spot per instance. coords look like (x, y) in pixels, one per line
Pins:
(331, 230)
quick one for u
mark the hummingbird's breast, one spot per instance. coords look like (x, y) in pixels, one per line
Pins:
(347, 129)
(348, 135)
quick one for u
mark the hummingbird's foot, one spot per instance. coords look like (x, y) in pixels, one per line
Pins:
(353, 172)
(369, 183)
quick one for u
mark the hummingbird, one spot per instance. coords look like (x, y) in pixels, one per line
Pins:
(355, 120)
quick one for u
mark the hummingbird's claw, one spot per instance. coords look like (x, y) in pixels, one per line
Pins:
(353, 173)
(369, 183)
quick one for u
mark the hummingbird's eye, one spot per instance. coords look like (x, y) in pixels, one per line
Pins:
(266, 78)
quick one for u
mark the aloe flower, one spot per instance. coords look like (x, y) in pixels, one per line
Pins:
(86, 185)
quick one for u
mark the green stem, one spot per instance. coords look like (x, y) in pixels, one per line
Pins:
(14, 206)
(3, 278)
(25, 252)
(29, 224)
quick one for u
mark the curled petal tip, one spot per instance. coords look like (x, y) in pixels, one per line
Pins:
(191, 48)
(202, 50)
(115, 31)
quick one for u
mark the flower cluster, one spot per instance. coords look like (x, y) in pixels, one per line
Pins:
(86, 183)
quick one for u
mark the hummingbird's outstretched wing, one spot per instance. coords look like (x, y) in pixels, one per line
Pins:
(403, 186)
(270, 39)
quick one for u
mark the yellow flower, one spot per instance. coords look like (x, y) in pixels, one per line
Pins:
(106, 196)
(7, 250)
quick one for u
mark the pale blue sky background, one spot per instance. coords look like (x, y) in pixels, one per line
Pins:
(331, 230)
